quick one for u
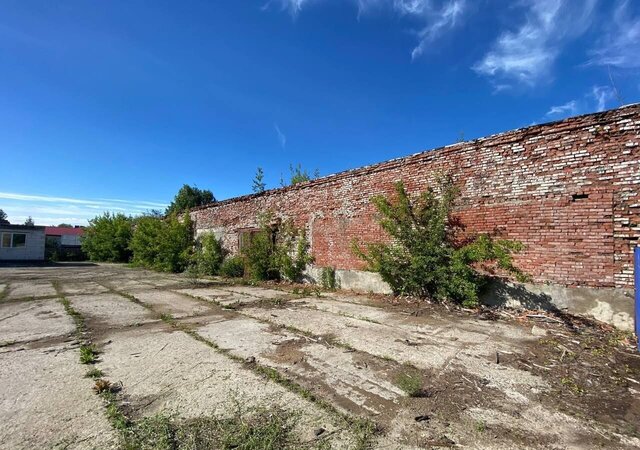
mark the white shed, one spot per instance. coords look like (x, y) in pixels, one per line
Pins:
(21, 243)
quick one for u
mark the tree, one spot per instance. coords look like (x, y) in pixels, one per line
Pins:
(29, 222)
(209, 254)
(189, 197)
(107, 238)
(3, 217)
(427, 255)
(258, 181)
(299, 175)
(164, 244)
(65, 225)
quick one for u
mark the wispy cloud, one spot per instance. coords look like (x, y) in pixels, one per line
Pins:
(569, 108)
(620, 44)
(602, 95)
(436, 16)
(526, 55)
(597, 99)
(50, 210)
(282, 139)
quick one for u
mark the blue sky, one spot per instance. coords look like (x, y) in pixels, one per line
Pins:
(114, 105)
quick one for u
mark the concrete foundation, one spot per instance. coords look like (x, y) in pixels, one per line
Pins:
(609, 305)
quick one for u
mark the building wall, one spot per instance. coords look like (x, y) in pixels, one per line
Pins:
(32, 251)
(569, 190)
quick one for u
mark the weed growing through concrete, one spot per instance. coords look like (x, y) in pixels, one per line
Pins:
(102, 386)
(410, 381)
(88, 354)
(571, 384)
(249, 429)
(94, 373)
(364, 430)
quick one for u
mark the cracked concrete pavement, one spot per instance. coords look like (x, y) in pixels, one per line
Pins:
(192, 350)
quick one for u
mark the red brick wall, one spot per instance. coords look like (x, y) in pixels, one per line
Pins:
(569, 190)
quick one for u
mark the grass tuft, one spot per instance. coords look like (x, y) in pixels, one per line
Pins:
(94, 373)
(245, 430)
(88, 354)
(410, 381)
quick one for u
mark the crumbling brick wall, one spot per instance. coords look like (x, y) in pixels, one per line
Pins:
(569, 190)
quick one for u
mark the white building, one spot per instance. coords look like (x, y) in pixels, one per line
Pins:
(21, 243)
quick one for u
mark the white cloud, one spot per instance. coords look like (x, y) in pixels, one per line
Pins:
(526, 55)
(282, 139)
(620, 45)
(602, 95)
(569, 108)
(438, 22)
(597, 99)
(49, 210)
(437, 17)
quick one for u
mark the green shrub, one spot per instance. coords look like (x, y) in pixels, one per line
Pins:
(328, 278)
(260, 256)
(427, 256)
(277, 252)
(107, 238)
(209, 254)
(162, 244)
(232, 267)
(291, 252)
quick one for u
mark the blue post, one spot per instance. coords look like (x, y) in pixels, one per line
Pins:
(636, 271)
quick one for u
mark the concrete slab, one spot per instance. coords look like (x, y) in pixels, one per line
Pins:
(33, 320)
(177, 305)
(189, 379)
(111, 309)
(460, 349)
(46, 403)
(223, 297)
(82, 287)
(126, 284)
(26, 289)
(257, 291)
(327, 370)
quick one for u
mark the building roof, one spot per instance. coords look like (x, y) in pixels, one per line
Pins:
(10, 226)
(63, 231)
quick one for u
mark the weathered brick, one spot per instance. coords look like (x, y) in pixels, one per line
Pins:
(569, 190)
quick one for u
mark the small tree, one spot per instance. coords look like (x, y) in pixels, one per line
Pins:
(65, 225)
(107, 238)
(298, 175)
(209, 254)
(189, 197)
(3, 217)
(277, 252)
(426, 256)
(162, 244)
(291, 252)
(258, 181)
(29, 222)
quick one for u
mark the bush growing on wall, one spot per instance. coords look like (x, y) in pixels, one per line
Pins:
(163, 244)
(232, 267)
(209, 254)
(426, 257)
(107, 238)
(276, 253)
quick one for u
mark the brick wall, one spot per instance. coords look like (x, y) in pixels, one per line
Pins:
(569, 190)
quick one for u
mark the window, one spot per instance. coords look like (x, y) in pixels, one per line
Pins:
(14, 240)
(19, 240)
